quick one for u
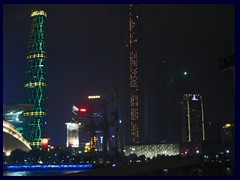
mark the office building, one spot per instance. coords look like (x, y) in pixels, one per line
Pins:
(36, 78)
(228, 132)
(13, 113)
(192, 121)
(72, 134)
(133, 105)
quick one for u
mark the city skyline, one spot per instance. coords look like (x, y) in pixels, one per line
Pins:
(184, 37)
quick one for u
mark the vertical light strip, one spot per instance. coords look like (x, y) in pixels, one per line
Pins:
(189, 126)
(203, 129)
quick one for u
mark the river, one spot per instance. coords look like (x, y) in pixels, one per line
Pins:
(40, 172)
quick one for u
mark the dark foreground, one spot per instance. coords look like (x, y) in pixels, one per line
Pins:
(164, 167)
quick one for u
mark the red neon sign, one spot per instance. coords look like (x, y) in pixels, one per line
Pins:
(83, 110)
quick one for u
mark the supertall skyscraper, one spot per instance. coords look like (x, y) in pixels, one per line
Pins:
(192, 123)
(36, 78)
(133, 112)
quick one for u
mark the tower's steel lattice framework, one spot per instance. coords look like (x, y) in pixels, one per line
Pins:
(36, 79)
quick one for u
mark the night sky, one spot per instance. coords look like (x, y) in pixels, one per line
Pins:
(85, 50)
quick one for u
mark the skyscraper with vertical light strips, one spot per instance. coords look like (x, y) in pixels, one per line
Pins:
(192, 122)
(36, 78)
(134, 108)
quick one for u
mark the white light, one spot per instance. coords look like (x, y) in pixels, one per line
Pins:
(194, 97)
(227, 151)
(94, 97)
(120, 121)
(197, 151)
(74, 108)
(8, 153)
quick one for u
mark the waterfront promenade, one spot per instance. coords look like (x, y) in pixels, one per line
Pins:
(159, 167)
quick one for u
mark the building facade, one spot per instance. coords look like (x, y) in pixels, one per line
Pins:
(72, 134)
(12, 139)
(192, 121)
(133, 108)
(36, 78)
(152, 150)
(228, 132)
(13, 113)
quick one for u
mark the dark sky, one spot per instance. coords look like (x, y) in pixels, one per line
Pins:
(85, 52)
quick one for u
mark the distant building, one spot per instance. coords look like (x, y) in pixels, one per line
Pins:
(228, 132)
(151, 150)
(72, 134)
(13, 113)
(192, 121)
(133, 105)
(92, 127)
(45, 144)
(36, 78)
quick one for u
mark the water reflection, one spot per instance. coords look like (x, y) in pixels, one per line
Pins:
(40, 173)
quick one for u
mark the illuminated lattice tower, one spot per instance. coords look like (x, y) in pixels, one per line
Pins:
(36, 81)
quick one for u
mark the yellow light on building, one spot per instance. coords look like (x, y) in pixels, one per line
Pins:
(94, 97)
(36, 56)
(35, 84)
(37, 13)
(227, 125)
(38, 113)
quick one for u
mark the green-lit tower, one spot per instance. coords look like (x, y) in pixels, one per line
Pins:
(36, 80)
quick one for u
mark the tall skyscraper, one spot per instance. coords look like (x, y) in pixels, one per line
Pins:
(36, 80)
(133, 112)
(192, 122)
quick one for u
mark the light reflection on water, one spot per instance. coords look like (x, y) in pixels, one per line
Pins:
(40, 172)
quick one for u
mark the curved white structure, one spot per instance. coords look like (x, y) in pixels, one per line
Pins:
(12, 139)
